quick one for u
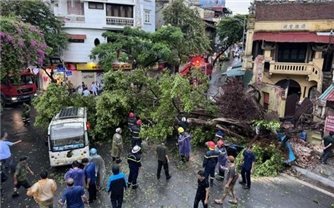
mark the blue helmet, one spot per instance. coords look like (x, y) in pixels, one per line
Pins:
(93, 151)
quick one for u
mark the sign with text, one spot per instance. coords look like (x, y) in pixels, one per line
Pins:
(329, 123)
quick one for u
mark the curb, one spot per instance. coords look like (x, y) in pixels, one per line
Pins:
(315, 177)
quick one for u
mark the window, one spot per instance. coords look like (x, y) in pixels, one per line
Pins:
(75, 7)
(76, 40)
(292, 52)
(265, 100)
(147, 16)
(94, 5)
(118, 10)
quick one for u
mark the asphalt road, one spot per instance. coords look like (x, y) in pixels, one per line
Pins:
(178, 192)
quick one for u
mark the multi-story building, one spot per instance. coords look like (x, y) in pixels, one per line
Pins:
(86, 20)
(289, 47)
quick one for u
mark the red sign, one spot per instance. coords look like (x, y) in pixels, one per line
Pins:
(329, 123)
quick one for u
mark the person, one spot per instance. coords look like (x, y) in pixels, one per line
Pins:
(247, 167)
(20, 175)
(231, 178)
(80, 90)
(43, 191)
(303, 135)
(328, 142)
(117, 146)
(135, 131)
(222, 159)
(219, 134)
(83, 85)
(210, 162)
(202, 193)
(183, 123)
(184, 144)
(90, 176)
(116, 186)
(100, 167)
(86, 92)
(26, 111)
(131, 120)
(163, 160)
(93, 88)
(5, 153)
(134, 161)
(76, 173)
(73, 196)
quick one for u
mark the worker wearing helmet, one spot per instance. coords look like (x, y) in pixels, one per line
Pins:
(222, 158)
(131, 120)
(99, 166)
(135, 131)
(210, 162)
(184, 144)
(117, 146)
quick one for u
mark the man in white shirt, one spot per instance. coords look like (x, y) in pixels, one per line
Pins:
(93, 88)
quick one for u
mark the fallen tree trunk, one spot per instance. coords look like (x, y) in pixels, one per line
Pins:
(229, 132)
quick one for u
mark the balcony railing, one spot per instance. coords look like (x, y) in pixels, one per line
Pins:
(120, 21)
(308, 69)
(74, 19)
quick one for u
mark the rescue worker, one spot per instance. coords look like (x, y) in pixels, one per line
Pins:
(183, 123)
(219, 135)
(136, 140)
(210, 162)
(100, 167)
(117, 146)
(184, 144)
(134, 161)
(131, 120)
(222, 159)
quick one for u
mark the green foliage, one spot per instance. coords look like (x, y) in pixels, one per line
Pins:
(268, 125)
(55, 98)
(269, 160)
(21, 45)
(141, 48)
(179, 15)
(50, 103)
(230, 30)
(38, 14)
(200, 135)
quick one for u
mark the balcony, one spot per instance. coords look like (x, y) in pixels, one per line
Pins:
(307, 69)
(73, 18)
(120, 21)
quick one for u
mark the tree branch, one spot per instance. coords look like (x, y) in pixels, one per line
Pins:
(218, 56)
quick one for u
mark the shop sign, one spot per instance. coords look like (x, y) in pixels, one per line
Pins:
(88, 66)
(329, 123)
(122, 66)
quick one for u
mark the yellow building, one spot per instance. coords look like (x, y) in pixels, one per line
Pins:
(289, 47)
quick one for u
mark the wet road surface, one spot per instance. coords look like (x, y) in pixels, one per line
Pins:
(178, 192)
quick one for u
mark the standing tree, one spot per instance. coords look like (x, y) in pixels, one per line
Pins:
(141, 48)
(230, 31)
(38, 14)
(196, 41)
(22, 45)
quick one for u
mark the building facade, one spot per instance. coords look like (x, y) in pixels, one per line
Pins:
(86, 20)
(289, 48)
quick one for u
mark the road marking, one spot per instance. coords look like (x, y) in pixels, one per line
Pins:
(308, 185)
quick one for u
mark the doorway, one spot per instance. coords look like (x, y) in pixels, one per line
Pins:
(293, 95)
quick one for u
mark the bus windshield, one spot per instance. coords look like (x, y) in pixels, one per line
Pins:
(67, 136)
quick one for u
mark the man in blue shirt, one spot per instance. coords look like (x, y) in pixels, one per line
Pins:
(247, 167)
(73, 196)
(116, 185)
(77, 174)
(5, 154)
(90, 179)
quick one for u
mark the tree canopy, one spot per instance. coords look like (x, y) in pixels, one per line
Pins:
(38, 14)
(22, 44)
(230, 31)
(138, 47)
(188, 20)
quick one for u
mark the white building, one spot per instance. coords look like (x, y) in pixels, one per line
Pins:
(86, 20)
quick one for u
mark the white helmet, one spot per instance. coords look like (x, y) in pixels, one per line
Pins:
(183, 119)
(118, 130)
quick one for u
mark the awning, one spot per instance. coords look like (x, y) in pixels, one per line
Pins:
(328, 95)
(76, 37)
(291, 37)
(235, 71)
